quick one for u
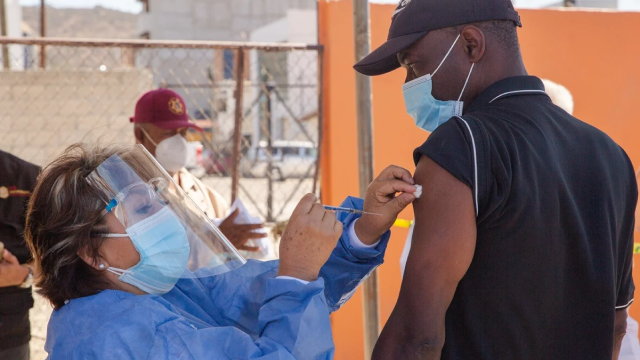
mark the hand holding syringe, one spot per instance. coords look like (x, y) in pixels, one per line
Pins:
(360, 212)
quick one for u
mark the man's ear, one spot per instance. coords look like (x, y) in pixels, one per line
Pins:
(474, 43)
(137, 132)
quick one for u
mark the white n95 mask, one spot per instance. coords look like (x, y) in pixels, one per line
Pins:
(427, 112)
(171, 153)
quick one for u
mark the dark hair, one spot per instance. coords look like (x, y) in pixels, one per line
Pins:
(63, 218)
(504, 32)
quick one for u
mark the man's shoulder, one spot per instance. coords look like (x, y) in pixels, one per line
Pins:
(188, 180)
(14, 164)
(17, 172)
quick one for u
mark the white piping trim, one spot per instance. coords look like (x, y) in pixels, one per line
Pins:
(516, 92)
(624, 306)
(475, 163)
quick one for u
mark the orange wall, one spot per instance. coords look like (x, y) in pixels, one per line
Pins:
(592, 53)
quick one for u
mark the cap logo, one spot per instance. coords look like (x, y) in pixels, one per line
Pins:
(403, 4)
(175, 106)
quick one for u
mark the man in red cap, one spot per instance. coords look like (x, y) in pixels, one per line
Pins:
(161, 124)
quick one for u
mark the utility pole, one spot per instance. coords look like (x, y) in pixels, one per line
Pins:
(364, 108)
(237, 127)
(43, 33)
(3, 32)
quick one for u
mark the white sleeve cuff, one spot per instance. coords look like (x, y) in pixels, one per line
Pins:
(292, 278)
(355, 242)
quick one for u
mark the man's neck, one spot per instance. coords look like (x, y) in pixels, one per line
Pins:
(504, 70)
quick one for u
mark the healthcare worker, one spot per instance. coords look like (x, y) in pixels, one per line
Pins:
(112, 235)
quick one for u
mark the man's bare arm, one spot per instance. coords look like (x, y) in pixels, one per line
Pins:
(444, 242)
(619, 331)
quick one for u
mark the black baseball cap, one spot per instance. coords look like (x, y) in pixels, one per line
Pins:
(413, 19)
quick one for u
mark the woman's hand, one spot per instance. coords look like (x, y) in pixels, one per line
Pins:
(308, 240)
(381, 199)
(11, 272)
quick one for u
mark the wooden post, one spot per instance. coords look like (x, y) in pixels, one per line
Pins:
(43, 33)
(237, 129)
(3, 31)
(365, 162)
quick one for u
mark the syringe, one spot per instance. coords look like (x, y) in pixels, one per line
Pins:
(348, 210)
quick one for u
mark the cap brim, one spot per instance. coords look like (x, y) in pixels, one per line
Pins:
(385, 58)
(172, 125)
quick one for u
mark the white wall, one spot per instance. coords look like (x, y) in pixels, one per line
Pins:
(231, 20)
(303, 26)
(623, 5)
(601, 4)
(277, 31)
(534, 4)
(14, 29)
(629, 5)
(67, 109)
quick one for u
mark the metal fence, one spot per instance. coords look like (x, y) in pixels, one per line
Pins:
(266, 152)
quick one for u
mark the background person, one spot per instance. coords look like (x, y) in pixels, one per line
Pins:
(523, 241)
(17, 179)
(161, 124)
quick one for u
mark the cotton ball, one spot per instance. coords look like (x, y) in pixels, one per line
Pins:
(418, 192)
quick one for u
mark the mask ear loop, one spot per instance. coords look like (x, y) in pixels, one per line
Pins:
(466, 82)
(118, 272)
(446, 56)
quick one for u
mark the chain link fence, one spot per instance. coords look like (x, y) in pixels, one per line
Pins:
(266, 152)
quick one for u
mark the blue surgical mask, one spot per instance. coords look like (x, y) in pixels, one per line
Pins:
(427, 112)
(164, 250)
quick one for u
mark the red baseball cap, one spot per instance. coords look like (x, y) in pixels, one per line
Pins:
(164, 109)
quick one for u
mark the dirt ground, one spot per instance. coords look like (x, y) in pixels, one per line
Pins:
(39, 318)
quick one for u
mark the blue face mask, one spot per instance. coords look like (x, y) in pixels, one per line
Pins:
(164, 253)
(427, 112)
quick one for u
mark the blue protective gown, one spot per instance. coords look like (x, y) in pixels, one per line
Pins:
(246, 313)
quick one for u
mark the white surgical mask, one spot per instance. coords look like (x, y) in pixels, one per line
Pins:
(171, 153)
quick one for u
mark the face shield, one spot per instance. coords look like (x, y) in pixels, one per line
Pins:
(174, 238)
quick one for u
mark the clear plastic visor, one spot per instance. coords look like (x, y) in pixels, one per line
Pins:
(166, 227)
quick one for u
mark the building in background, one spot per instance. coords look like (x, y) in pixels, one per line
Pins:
(211, 19)
(622, 5)
(207, 78)
(294, 109)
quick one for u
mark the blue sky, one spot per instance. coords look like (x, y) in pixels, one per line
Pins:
(122, 5)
